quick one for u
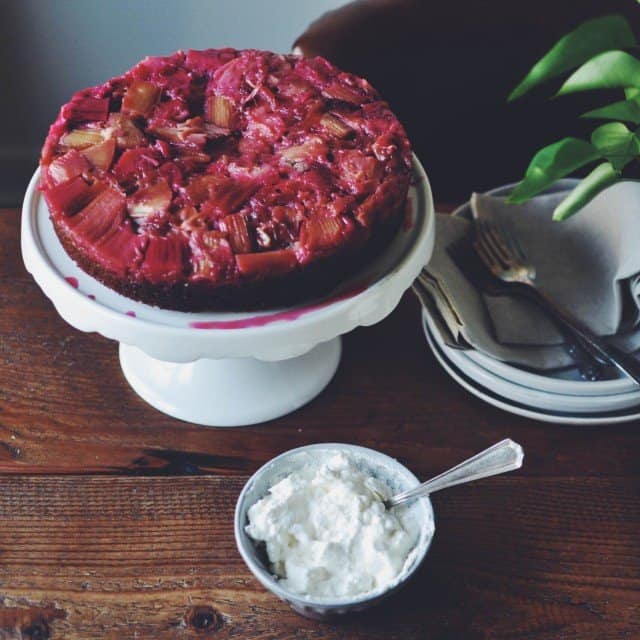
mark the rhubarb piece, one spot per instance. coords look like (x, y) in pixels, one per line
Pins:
(209, 60)
(224, 194)
(379, 206)
(191, 132)
(122, 249)
(153, 199)
(213, 131)
(321, 233)
(86, 109)
(335, 126)
(164, 258)
(231, 194)
(202, 187)
(267, 263)
(101, 155)
(190, 163)
(136, 163)
(126, 133)
(101, 217)
(265, 126)
(211, 255)
(341, 92)
(235, 226)
(290, 217)
(82, 138)
(219, 110)
(295, 89)
(301, 156)
(164, 148)
(69, 197)
(68, 166)
(169, 111)
(385, 147)
(170, 172)
(359, 173)
(191, 219)
(195, 158)
(140, 98)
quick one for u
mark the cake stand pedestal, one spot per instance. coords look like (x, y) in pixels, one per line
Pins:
(262, 390)
(229, 369)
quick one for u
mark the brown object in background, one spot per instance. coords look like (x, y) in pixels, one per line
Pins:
(447, 68)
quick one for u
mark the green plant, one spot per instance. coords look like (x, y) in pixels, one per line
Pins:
(596, 50)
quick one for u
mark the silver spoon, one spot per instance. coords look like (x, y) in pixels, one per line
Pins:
(504, 456)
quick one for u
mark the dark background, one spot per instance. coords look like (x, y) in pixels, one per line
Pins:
(447, 68)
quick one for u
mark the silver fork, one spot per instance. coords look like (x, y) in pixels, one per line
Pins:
(504, 257)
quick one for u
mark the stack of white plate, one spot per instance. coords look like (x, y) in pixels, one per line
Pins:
(560, 397)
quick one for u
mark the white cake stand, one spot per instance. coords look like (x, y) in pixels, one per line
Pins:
(229, 369)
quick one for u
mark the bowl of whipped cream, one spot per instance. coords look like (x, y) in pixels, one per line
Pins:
(312, 526)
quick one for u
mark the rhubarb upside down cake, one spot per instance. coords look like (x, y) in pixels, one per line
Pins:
(226, 179)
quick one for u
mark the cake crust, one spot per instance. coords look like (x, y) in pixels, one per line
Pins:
(225, 179)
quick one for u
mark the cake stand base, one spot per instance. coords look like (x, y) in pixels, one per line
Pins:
(230, 392)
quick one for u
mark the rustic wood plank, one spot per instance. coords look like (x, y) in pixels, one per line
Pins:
(155, 558)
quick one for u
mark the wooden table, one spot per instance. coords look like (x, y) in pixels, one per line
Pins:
(116, 520)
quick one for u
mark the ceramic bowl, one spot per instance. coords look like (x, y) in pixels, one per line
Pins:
(378, 464)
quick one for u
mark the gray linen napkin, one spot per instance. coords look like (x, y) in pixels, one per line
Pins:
(589, 263)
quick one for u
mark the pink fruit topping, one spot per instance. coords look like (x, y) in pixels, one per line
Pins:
(86, 109)
(140, 98)
(101, 155)
(221, 167)
(68, 166)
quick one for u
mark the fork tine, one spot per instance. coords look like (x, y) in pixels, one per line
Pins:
(486, 231)
(491, 247)
(487, 256)
(511, 241)
(498, 241)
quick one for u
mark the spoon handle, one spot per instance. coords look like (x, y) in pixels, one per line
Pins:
(504, 456)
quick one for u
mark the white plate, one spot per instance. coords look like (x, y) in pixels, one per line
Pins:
(488, 395)
(507, 388)
(566, 381)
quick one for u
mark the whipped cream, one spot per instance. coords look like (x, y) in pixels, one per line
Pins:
(327, 532)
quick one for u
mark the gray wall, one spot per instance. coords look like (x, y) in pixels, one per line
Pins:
(51, 48)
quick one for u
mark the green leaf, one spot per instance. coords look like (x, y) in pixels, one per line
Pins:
(627, 110)
(588, 188)
(551, 163)
(616, 143)
(584, 42)
(631, 92)
(610, 70)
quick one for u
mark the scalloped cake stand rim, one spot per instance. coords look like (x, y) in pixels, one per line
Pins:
(270, 335)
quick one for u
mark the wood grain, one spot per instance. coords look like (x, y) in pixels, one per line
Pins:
(155, 557)
(113, 526)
